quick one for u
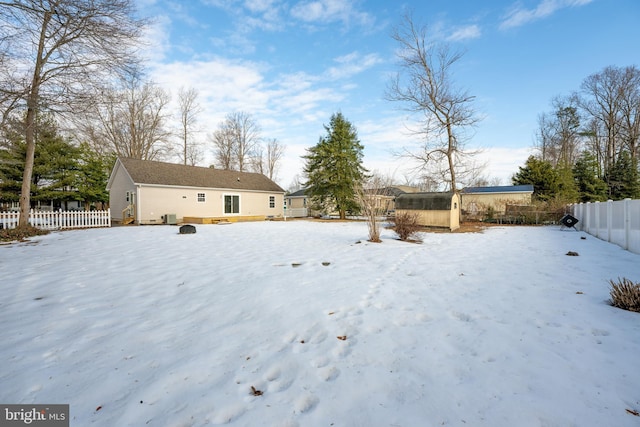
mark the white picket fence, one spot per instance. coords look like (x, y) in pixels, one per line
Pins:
(56, 220)
(616, 222)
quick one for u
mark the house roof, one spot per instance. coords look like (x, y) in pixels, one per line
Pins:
(425, 201)
(171, 174)
(500, 189)
(299, 193)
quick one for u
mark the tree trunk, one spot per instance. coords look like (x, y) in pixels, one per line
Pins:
(25, 194)
(31, 122)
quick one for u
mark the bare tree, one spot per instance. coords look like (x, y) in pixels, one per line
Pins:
(559, 135)
(235, 141)
(601, 100)
(246, 134)
(630, 109)
(130, 120)
(275, 151)
(266, 158)
(374, 198)
(189, 109)
(55, 53)
(223, 146)
(426, 89)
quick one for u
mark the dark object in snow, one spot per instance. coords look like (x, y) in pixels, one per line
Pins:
(326, 263)
(583, 238)
(569, 221)
(571, 253)
(187, 229)
(256, 392)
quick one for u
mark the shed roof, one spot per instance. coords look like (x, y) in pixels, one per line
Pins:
(425, 201)
(527, 188)
(171, 174)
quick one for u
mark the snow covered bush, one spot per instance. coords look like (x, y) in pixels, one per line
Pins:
(625, 294)
(406, 225)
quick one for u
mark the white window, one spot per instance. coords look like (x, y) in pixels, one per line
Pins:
(201, 197)
(272, 202)
(231, 204)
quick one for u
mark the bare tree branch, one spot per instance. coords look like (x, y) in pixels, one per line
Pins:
(426, 89)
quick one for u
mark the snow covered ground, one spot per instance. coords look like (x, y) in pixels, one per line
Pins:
(136, 326)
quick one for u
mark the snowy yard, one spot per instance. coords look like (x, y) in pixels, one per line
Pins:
(136, 326)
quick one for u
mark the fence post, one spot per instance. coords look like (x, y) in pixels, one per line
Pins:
(609, 219)
(587, 215)
(627, 223)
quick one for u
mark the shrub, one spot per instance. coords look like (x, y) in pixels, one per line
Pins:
(11, 235)
(406, 225)
(625, 294)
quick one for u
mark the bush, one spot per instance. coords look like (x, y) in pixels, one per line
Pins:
(19, 234)
(406, 225)
(625, 294)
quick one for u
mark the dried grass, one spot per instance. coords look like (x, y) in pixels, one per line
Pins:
(625, 294)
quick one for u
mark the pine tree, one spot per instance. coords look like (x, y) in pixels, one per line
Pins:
(540, 174)
(567, 187)
(591, 186)
(92, 177)
(624, 178)
(55, 164)
(334, 167)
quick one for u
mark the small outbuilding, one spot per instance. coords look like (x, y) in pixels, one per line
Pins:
(479, 201)
(432, 209)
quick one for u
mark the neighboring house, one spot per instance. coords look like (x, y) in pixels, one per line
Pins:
(297, 204)
(431, 209)
(384, 198)
(149, 192)
(478, 201)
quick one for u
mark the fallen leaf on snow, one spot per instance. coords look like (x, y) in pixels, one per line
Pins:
(342, 337)
(256, 392)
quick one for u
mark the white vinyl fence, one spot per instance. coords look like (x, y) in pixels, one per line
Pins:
(56, 220)
(616, 222)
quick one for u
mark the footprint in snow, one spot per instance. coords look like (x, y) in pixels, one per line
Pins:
(305, 403)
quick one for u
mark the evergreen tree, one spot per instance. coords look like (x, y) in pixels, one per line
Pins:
(540, 174)
(54, 169)
(567, 187)
(334, 166)
(623, 178)
(591, 186)
(92, 177)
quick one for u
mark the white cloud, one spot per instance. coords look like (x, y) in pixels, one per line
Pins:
(352, 64)
(502, 162)
(465, 33)
(326, 11)
(156, 39)
(519, 15)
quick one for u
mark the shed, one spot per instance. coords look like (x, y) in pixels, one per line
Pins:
(481, 200)
(432, 209)
(149, 192)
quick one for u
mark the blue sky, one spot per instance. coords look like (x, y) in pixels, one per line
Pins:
(291, 64)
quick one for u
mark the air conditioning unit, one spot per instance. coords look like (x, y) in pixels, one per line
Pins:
(170, 219)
